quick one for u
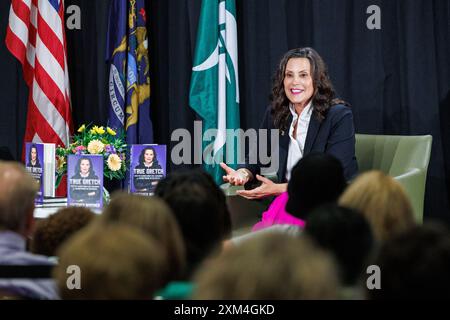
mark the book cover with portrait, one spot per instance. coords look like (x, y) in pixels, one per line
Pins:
(85, 181)
(147, 167)
(34, 163)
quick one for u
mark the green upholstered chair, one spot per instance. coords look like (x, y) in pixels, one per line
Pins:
(405, 158)
(244, 213)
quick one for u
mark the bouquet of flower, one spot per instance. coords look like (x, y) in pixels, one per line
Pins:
(96, 140)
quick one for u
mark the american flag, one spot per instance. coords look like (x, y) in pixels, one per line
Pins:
(36, 37)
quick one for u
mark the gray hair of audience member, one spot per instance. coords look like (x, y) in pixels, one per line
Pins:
(17, 193)
(271, 266)
(115, 262)
(155, 218)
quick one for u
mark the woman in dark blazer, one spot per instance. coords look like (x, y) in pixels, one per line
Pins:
(309, 118)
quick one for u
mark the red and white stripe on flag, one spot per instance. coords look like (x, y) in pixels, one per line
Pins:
(36, 37)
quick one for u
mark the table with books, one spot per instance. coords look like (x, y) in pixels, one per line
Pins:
(50, 206)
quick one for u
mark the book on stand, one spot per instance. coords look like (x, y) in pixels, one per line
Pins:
(147, 167)
(40, 162)
(85, 183)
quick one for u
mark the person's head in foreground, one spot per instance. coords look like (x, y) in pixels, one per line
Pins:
(51, 232)
(270, 266)
(115, 262)
(200, 209)
(382, 200)
(17, 193)
(316, 179)
(154, 217)
(415, 265)
(347, 235)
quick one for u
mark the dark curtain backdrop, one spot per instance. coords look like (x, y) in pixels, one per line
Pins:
(13, 92)
(397, 79)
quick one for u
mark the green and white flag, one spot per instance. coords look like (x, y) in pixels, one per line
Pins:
(214, 92)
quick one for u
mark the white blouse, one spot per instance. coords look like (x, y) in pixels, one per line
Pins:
(297, 143)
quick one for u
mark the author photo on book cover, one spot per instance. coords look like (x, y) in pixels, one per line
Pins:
(33, 157)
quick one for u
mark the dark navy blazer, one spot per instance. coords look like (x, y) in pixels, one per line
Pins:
(334, 135)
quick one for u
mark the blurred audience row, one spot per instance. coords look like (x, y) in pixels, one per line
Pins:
(317, 241)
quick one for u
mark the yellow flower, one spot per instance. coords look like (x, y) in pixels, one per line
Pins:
(95, 129)
(114, 162)
(100, 130)
(82, 128)
(60, 161)
(95, 147)
(110, 131)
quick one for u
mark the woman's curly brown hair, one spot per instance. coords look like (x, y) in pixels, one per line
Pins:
(50, 233)
(323, 97)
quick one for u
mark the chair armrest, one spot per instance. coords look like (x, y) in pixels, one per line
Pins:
(230, 190)
(413, 182)
(244, 212)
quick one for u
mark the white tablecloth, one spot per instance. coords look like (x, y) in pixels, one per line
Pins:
(42, 212)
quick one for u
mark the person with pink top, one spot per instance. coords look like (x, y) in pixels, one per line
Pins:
(318, 178)
(276, 214)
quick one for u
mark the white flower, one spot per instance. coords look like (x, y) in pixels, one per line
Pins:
(114, 162)
(95, 147)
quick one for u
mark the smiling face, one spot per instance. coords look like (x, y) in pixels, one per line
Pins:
(298, 82)
(149, 155)
(85, 166)
(33, 154)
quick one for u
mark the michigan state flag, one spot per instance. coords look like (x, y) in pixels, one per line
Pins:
(129, 78)
(214, 91)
